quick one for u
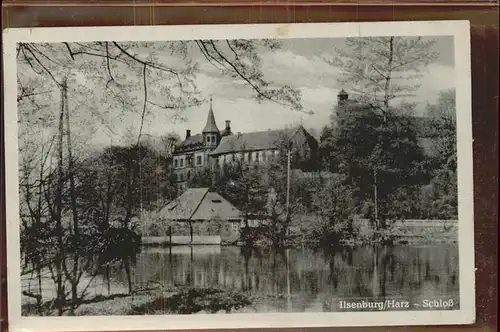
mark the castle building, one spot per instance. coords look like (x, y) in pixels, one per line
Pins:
(214, 147)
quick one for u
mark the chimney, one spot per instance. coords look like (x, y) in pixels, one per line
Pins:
(227, 130)
(188, 133)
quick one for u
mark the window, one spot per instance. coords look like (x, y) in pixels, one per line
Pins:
(232, 157)
(182, 177)
(178, 177)
(189, 175)
(264, 155)
(176, 163)
(273, 154)
(249, 156)
(216, 201)
(256, 157)
(208, 139)
(181, 162)
(199, 161)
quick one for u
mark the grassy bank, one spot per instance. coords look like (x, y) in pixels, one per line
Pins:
(156, 302)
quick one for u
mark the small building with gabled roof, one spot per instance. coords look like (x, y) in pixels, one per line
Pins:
(201, 212)
(199, 204)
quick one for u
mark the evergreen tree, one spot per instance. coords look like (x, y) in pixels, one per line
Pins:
(379, 154)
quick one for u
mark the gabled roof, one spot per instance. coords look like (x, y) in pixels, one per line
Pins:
(254, 141)
(192, 142)
(211, 126)
(199, 204)
(214, 206)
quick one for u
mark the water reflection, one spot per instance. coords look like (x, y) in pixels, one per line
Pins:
(302, 280)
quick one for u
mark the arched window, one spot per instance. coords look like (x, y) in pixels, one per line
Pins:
(208, 139)
(189, 175)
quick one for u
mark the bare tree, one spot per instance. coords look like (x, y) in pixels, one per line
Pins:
(383, 69)
(142, 77)
(65, 89)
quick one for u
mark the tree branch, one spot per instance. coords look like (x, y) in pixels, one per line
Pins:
(145, 103)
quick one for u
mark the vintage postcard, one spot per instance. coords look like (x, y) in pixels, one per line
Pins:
(239, 176)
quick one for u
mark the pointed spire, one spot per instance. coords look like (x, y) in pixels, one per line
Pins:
(211, 126)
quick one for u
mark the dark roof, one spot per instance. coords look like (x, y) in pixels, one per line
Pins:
(199, 204)
(254, 141)
(211, 126)
(192, 142)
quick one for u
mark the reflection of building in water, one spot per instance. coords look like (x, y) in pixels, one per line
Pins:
(412, 272)
(214, 147)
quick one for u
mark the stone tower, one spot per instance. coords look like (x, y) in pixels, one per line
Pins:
(341, 109)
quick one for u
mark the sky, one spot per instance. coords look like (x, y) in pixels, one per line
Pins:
(300, 64)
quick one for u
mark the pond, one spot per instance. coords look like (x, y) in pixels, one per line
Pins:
(300, 280)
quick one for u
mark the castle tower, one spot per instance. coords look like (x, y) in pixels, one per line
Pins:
(211, 134)
(342, 96)
(341, 108)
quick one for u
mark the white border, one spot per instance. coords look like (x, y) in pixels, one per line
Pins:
(461, 32)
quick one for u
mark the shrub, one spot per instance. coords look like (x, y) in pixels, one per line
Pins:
(194, 300)
(335, 206)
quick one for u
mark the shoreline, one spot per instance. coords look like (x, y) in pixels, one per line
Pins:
(414, 240)
(116, 300)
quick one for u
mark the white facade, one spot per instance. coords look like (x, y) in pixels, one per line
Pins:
(250, 157)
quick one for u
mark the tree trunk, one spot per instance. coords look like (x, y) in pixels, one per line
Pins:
(107, 279)
(388, 78)
(60, 297)
(191, 231)
(39, 260)
(375, 199)
(40, 302)
(126, 262)
(130, 184)
(75, 275)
